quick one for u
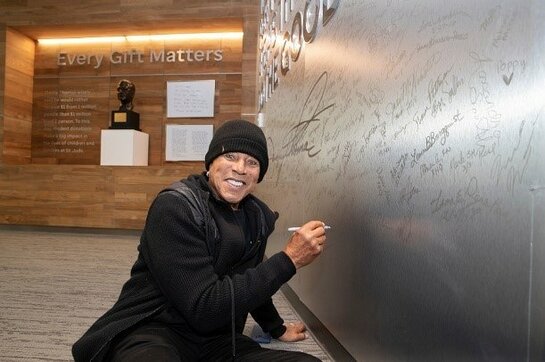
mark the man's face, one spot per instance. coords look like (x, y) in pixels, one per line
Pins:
(233, 176)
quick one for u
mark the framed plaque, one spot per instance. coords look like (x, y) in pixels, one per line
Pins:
(190, 98)
(187, 142)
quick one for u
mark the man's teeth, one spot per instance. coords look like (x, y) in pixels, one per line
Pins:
(236, 183)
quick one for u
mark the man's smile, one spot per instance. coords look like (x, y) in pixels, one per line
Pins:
(235, 183)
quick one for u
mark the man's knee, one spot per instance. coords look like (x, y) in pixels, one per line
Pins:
(145, 344)
(145, 353)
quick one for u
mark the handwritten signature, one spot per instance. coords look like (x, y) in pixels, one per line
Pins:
(299, 136)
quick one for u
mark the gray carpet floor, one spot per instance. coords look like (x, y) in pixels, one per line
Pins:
(54, 284)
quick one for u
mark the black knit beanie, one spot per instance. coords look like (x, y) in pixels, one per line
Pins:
(239, 136)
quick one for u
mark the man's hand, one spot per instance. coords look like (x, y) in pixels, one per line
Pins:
(306, 243)
(294, 332)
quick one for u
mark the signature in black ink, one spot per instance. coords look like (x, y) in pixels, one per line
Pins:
(397, 171)
(433, 137)
(513, 168)
(298, 136)
(465, 204)
(381, 185)
(434, 86)
(407, 192)
(488, 131)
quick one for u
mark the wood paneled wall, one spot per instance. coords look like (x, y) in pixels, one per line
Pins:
(2, 84)
(82, 195)
(92, 195)
(98, 85)
(17, 96)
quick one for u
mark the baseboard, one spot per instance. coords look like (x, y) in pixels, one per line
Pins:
(328, 342)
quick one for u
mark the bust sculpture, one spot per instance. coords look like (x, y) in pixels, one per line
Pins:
(125, 117)
(125, 94)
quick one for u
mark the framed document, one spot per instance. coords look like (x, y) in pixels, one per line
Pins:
(190, 98)
(187, 142)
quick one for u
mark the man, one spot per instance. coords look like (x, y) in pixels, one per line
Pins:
(200, 267)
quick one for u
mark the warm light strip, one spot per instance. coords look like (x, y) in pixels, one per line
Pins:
(88, 40)
(157, 37)
(195, 36)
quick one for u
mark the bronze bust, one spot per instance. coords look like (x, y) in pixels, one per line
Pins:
(125, 117)
(125, 94)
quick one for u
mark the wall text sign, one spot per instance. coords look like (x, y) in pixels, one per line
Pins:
(281, 44)
(135, 56)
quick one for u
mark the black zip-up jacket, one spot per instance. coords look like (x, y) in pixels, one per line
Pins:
(189, 253)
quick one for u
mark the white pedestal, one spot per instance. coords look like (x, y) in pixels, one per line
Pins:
(123, 147)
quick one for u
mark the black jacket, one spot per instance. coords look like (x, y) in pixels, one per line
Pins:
(189, 254)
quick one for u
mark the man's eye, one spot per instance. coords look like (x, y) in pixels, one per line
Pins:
(229, 156)
(253, 163)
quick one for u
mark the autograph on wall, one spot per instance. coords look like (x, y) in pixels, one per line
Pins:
(304, 136)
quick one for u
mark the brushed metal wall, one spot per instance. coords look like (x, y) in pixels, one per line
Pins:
(416, 130)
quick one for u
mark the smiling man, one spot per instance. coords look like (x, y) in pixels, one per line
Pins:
(200, 268)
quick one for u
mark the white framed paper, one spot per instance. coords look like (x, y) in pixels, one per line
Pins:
(190, 98)
(187, 142)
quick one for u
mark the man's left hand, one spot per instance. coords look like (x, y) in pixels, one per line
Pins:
(294, 332)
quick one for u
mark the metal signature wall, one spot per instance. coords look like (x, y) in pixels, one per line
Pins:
(416, 130)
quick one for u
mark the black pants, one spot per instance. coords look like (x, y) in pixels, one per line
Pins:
(157, 342)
